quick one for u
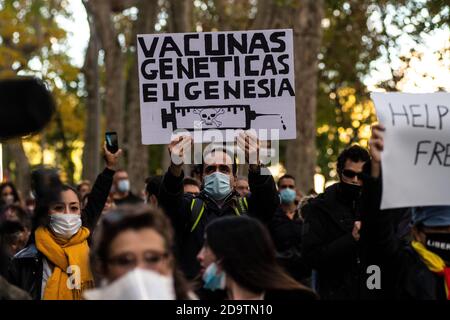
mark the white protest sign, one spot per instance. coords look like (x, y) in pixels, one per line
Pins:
(217, 81)
(416, 156)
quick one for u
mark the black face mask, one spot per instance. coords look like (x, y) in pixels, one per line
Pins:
(350, 192)
(439, 243)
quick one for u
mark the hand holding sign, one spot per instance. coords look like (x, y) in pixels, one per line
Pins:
(376, 145)
(178, 149)
(249, 144)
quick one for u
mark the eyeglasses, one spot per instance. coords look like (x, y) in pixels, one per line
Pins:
(130, 261)
(351, 174)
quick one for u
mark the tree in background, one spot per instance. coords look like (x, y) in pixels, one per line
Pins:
(337, 44)
(32, 43)
(356, 35)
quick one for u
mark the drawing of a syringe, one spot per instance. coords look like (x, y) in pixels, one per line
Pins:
(221, 117)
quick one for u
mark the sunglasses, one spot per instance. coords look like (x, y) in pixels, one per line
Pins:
(285, 186)
(351, 174)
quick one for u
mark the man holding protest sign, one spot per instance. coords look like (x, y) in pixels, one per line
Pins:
(419, 269)
(412, 142)
(190, 214)
(206, 87)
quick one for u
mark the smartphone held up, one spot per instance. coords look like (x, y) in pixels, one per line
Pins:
(112, 143)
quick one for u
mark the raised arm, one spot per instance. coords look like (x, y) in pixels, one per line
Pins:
(263, 199)
(377, 225)
(100, 191)
(171, 195)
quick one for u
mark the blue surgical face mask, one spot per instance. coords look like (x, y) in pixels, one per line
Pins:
(217, 185)
(213, 279)
(123, 185)
(287, 195)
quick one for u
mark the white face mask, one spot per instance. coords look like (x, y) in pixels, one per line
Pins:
(138, 284)
(65, 225)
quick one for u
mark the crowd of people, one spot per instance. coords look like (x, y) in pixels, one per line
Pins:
(216, 235)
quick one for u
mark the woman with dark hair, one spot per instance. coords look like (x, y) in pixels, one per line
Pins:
(239, 256)
(8, 194)
(136, 237)
(55, 263)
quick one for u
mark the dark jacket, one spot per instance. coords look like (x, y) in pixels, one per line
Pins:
(290, 295)
(25, 270)
(329, 247)
(270, 295)
(404, 275)
(287, 237)
(209, 295)
(4, 263)
(129, 199)
(262, 203)
(10, 292)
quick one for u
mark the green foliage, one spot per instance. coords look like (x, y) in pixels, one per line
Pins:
(355, 34)
(33, 43)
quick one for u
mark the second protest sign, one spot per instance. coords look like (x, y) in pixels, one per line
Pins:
(416, 156)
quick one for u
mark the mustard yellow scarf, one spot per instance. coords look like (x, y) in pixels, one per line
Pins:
(63, 253)
(434, 263)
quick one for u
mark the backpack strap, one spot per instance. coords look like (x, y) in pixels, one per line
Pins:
(245, 203)
(242, 206)
(197, 209)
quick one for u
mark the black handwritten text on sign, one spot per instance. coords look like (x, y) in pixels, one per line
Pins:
(416, 159)
(222, 80)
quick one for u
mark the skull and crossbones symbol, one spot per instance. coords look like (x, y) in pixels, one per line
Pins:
(209, 116)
